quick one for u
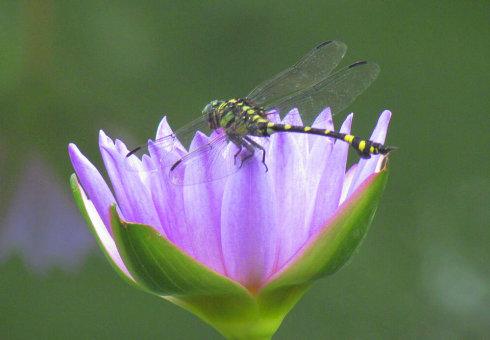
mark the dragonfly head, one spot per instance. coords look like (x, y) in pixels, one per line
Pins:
(210, 111)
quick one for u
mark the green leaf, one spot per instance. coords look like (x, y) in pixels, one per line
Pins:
(334, 245)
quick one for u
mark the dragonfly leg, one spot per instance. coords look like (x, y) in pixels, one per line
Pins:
(250, 149)
(239, 144)
(240, 148)
(260, 147)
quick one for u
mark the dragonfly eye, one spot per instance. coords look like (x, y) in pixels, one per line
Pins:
(208, 109)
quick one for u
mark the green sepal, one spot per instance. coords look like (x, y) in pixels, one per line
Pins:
(334, 245)
(77, 195)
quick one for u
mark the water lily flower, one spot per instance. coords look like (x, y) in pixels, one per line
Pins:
(241, 251)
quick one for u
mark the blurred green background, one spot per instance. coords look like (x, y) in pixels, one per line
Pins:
(68, 69)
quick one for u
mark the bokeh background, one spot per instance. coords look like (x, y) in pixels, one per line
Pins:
(68, 69)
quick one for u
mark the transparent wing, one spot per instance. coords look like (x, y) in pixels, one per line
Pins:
(213, 161)
(314, 67)
(336, 91)
(180, 139)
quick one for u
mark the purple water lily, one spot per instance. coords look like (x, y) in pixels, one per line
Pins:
(248, 227)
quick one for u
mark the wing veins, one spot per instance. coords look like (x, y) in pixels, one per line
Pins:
(336, 91)
(310, 69)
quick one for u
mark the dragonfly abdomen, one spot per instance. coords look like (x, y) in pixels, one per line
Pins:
(364, 147)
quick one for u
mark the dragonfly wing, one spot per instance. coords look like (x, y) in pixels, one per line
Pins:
(336, 91)
(209, 162)
(315, 66)
(186, 133)
(174, 142)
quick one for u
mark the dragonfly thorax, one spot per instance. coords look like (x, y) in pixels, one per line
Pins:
(233, 115)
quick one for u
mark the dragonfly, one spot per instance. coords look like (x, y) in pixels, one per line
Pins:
(239, 127)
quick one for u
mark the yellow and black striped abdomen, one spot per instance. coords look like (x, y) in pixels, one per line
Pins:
(364, 147)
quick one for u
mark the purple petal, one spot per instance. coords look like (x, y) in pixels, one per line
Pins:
(322, 121)
(133, 197)
(202, 209)
(274, 116)
(163, 157)
(347, 182)
(248, 225)
(168, 200)
(294, 118)
(92, 183)
(152, 180)
(367, 167)
(164, 130)
(320, 149)
(287, 169)
(133, 162)
(103, 235)
(330, 186)
(341, 209)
